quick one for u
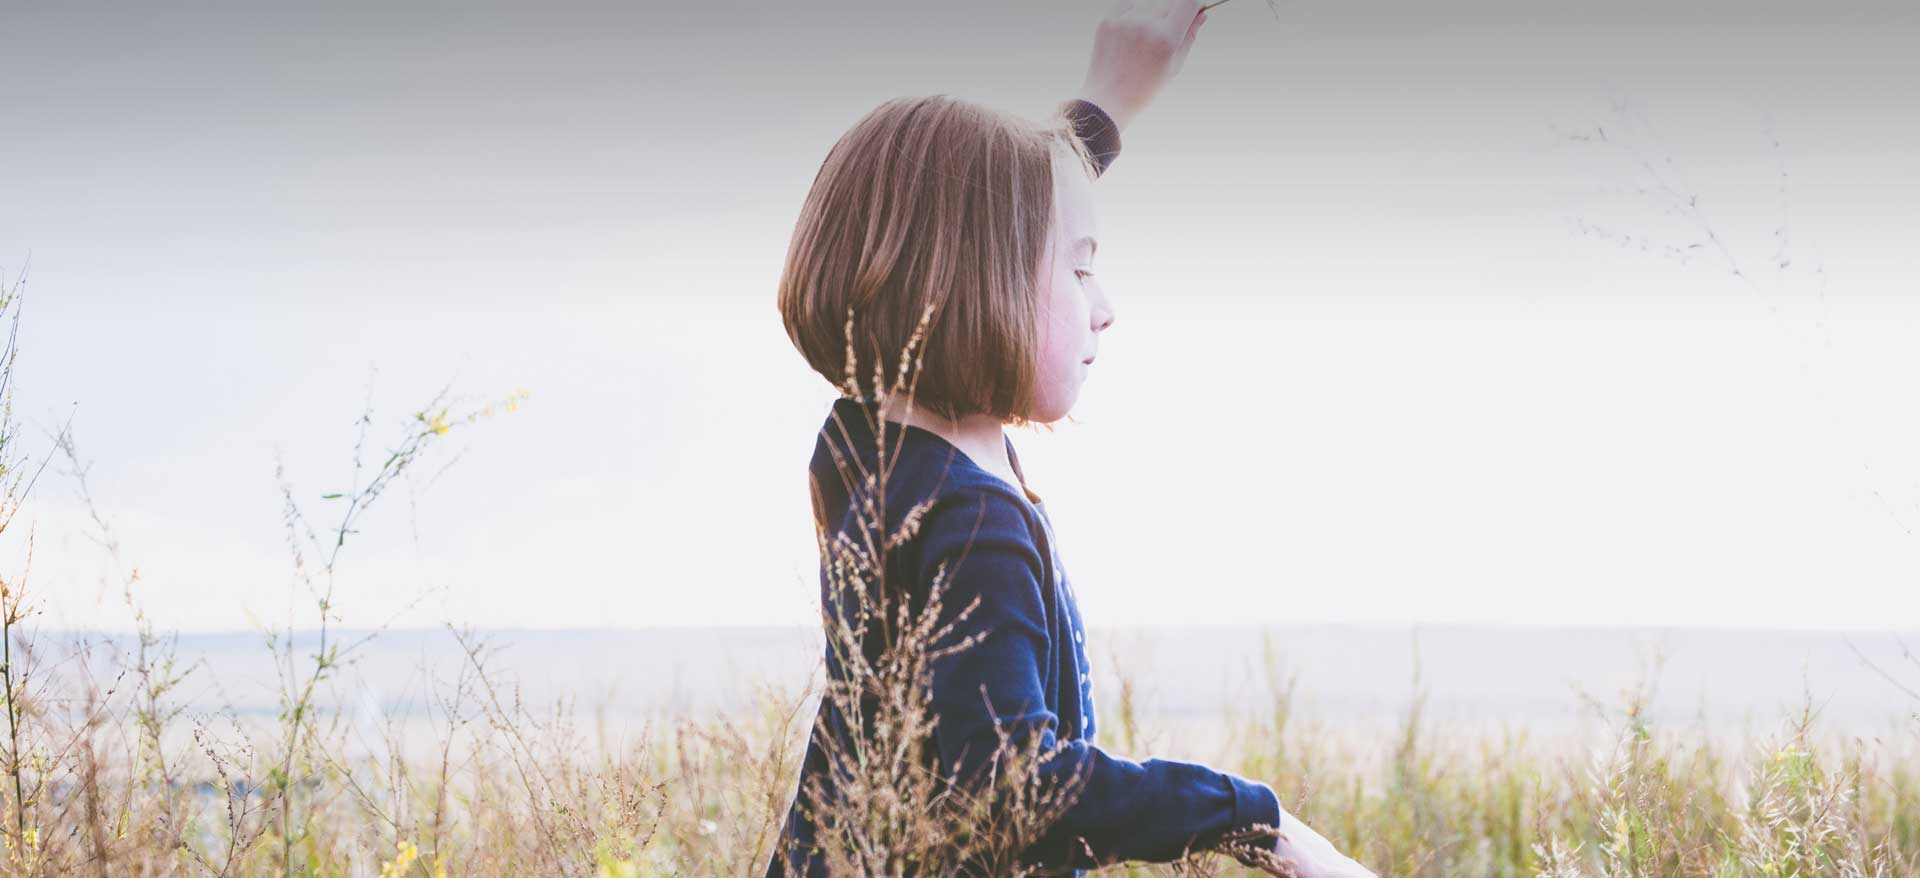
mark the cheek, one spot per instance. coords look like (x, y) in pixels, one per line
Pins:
(1060, 342)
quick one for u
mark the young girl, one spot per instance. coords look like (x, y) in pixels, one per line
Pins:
(939, 222)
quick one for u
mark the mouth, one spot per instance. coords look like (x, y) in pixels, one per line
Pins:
(1088, 361)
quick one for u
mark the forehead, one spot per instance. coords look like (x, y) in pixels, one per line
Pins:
(1072, 197)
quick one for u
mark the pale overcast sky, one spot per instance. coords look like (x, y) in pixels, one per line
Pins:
(1379, 356)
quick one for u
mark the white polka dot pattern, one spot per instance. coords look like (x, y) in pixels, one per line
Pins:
(1082, 667)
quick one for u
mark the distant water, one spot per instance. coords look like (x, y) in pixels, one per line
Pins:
(1730, 681)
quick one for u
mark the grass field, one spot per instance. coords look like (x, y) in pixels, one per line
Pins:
(107, 769)
(117, 782)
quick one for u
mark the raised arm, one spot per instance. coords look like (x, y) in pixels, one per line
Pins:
(1137, 49)
(1156, 810)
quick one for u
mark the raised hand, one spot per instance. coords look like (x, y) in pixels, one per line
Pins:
(1137, 49)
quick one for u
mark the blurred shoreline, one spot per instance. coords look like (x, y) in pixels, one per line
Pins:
(1541, 679)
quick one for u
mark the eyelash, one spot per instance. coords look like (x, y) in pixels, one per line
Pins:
(1082, 273)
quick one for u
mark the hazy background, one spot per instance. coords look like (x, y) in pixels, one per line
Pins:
(1381, 356)
(1358, 685)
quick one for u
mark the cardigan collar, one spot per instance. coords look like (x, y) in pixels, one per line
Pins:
(859, 416)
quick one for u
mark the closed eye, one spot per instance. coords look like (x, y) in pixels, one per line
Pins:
(1082, 273)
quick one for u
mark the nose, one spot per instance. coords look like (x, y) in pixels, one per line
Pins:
(1102, 312)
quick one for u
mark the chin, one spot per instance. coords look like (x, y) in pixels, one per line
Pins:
(1047, 414)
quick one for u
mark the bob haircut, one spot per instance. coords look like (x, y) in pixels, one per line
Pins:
(935, 208)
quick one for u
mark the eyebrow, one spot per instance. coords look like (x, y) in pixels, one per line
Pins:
(1088, 241)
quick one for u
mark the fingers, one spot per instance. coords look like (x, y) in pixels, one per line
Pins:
(1163, 11)
(1193, 30)
(1183, 18)
(1285, 868)
(1177, 15)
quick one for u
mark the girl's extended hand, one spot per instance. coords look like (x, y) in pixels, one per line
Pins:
(1137, 48)
(1299, 853)
(1314, 856)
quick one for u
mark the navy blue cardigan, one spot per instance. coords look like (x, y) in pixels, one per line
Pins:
(998, 546)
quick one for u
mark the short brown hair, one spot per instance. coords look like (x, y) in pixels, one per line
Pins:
(929, 205)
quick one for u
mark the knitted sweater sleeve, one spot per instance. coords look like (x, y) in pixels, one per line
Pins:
(1096, 129)
(981, 544)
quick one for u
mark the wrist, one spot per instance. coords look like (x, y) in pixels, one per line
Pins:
(1116, 109)
(1096, 130)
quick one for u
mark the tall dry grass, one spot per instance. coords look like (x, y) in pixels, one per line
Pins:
(105, 770)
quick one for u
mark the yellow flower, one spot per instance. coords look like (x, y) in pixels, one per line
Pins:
(618, 869)
(406, 854)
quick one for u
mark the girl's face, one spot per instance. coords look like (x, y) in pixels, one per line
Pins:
(1074, 310)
